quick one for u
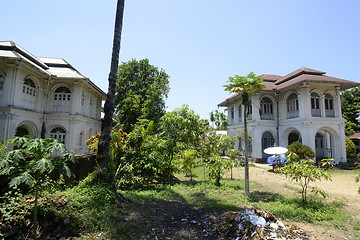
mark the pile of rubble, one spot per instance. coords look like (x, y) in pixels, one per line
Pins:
(255, 224)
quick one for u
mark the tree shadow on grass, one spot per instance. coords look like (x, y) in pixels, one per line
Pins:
(212, 203)
(258, 196)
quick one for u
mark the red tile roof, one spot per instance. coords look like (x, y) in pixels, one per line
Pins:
(301, 75)
(355, 136)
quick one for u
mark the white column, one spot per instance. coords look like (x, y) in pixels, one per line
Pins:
(322, 105)
(304, 101)
(308, 135)
(340, 147)
(337, 103)
(76, 98)
(256, 107)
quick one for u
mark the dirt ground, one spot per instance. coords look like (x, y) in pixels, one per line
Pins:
(167, 220)
(342, 188)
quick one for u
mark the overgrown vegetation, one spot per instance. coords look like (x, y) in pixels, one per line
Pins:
(31, 164)
(91, 208)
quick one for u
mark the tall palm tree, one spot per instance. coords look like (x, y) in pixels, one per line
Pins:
(245, 87)
(106, 125)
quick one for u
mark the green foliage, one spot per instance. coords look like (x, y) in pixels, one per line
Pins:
(350, 128)
(219, 119)
(357, 180)
(30, 162)
(304, 172)
(3, 148)
(180, 129)
(141, 90)
(301, 150)
(245, 86)
(93, 142)
(92, 201)
(227, 197)
(210, 147)
(140, 159)
(234, 156)
(350, 104)
(217, 166)
(350, 147)
(13, 207)
(187, 160)
(315, 211)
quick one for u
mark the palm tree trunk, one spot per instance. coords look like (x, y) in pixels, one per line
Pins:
(247, 187)
(106, 125)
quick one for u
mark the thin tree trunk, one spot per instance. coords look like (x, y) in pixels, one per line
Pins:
(247, 187)
(35, 211)
(106, 125)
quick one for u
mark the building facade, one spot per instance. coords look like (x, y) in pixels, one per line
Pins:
(303, 106)
(46, 97)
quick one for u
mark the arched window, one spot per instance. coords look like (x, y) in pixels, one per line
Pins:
(267, 140)
(29, 87)
(249, 112)
(82, 99)
(232, 115)
(294, 137)
(22, 131)
(2, 80)
(81, 139)
(315, 105)
(58, 133)
(240, 113)
(266, 109)
(62, 94)
(292, 106)
(329, 105)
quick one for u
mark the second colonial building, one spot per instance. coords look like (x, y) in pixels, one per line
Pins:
(302, 106)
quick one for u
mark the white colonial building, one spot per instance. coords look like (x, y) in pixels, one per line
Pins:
(302, 106)
(46, 97)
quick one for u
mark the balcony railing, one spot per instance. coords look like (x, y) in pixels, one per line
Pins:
(293, 114)
(267, 116)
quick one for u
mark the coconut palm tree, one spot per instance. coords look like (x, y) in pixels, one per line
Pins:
(245, 87)
(106, 125)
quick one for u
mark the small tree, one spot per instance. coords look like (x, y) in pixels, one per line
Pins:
(233, 155)
(32, 162)
(180, 129)
(246, 87)
(304, 172)
(210, 146)
(219, 119)
(187, 160)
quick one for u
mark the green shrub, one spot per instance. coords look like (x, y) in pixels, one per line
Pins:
(301, 150)
(350, 147)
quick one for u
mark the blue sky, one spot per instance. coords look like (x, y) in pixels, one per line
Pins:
(199, 43)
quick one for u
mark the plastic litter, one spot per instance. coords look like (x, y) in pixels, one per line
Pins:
(192, 222)
(280, 224)
(255, 224)
(274, 226)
